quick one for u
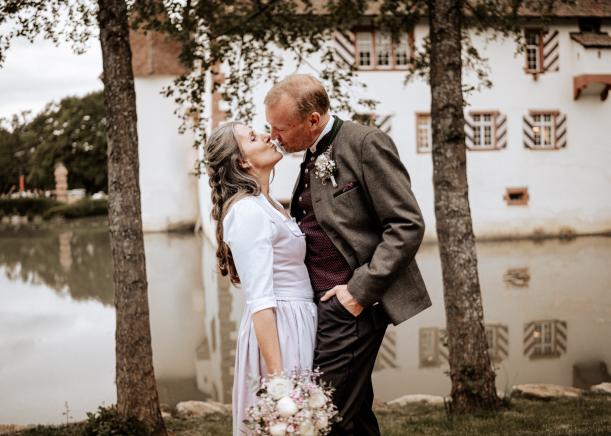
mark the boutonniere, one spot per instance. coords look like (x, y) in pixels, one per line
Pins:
(324, 168)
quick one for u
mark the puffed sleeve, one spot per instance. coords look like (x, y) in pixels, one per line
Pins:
(248, 231)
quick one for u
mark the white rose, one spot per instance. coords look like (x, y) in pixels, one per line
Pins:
(286, 407)
(279, 387)
(322, 421)
(317, 399)
(306, 428)
(278, 429)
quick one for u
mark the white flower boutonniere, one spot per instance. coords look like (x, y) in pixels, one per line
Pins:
(324, 168)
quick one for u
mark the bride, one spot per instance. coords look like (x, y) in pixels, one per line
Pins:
(263, 249)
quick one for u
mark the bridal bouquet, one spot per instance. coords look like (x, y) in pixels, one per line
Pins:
(295, 404)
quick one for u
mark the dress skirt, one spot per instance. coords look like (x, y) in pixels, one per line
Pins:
(296, 322)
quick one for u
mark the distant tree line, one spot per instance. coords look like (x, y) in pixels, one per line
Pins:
(72, 131)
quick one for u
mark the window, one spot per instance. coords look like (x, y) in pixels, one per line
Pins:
(516, 196)
(483, 127)
(401, 52)
(383, 49)
(543, 127)
(424, 135)
(377, 50)
(589, 24)
(533, 51)
(545, 130)
(364, 49)
(485, 130)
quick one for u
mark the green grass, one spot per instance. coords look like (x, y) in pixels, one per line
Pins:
(589, 416)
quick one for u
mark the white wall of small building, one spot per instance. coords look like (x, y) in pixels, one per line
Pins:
(168, 189)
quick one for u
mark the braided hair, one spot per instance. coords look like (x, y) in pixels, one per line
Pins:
(229, 182)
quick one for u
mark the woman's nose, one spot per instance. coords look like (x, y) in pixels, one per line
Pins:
(267, 137)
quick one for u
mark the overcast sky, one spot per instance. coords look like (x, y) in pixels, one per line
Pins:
(35, 74)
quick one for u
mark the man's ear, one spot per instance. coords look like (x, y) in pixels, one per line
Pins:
(314, 119)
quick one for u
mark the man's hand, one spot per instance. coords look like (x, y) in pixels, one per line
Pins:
(345, 298)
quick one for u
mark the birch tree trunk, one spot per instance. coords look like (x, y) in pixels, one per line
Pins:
(471, 372)
(136, 387)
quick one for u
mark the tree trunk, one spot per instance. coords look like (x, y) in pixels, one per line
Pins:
(471, 372)
(136, 387)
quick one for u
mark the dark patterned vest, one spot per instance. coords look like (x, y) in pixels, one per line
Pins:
(326, 265)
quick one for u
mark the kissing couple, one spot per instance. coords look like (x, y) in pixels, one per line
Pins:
(322, 284)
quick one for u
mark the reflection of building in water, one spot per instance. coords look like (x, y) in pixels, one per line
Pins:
(65, 251)
(216, 352)
(433, 349)
(545, 339)
(387, 357)
(517, 277)
(498, 341)
(527, 331)
(433, 346)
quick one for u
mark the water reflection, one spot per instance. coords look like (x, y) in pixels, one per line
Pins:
(548, 318)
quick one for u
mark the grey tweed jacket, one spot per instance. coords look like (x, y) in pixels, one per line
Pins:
(374, 220)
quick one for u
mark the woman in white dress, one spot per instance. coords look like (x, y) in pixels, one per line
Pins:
(263, 249)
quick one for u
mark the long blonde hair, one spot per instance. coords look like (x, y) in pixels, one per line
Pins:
(229, 182)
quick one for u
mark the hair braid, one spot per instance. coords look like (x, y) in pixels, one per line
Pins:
(228, 182)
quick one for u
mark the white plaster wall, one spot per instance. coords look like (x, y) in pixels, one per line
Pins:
(169, 192)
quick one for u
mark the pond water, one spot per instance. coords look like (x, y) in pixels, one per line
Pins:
(547, 309)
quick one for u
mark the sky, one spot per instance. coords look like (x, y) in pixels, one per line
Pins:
(35, 74)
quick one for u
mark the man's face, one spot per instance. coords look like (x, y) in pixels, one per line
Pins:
(294, 134)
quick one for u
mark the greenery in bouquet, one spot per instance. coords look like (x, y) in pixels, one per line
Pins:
(297, 403)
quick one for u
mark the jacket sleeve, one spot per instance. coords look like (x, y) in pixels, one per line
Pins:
(388, 189)
(248, 231)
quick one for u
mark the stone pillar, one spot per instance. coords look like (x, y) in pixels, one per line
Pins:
(61, 182)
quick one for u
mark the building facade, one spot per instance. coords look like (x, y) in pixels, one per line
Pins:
(538, 140)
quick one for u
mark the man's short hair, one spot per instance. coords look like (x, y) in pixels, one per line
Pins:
(305, 90)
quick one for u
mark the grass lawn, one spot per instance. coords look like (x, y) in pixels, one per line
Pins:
(588, 416)
(585, 416)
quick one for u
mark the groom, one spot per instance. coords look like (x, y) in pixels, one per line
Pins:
(363, 228)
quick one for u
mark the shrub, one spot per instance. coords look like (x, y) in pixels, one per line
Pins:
(82, 208)
(26, 206)
(108, 422)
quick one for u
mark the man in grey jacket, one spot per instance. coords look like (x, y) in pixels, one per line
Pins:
(363, 227)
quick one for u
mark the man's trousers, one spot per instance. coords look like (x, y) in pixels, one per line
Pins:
(346, 350)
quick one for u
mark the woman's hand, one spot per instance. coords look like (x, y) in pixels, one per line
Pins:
(266, 330)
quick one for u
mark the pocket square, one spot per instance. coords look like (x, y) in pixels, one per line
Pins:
(345, 188)
(348, 186)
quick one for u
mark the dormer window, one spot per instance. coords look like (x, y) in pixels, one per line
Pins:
(589, 25)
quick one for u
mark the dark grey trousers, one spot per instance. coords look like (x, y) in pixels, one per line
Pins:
(346, 350)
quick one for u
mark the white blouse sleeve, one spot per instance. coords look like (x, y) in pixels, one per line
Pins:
(248, 231)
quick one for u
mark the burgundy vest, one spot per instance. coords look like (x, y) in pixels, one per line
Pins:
(326, 265)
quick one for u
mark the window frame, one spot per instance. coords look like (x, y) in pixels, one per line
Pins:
(493, 120)
(554, 124)
(539, 50)
(421, 116)
(406, 37)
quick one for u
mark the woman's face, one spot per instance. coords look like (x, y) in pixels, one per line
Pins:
(259, 152)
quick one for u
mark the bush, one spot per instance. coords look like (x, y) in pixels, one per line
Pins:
(26, 206)
(80, 209)
(108, 422)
